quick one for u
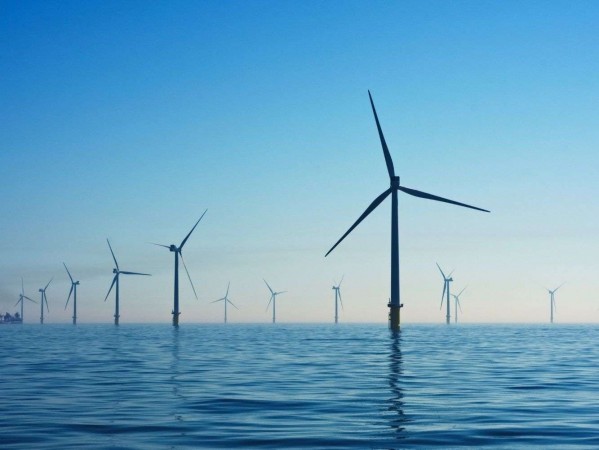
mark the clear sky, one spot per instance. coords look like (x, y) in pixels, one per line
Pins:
(127, 119)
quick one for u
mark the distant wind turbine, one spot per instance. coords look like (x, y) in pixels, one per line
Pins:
(178, 251)
(115, 280)
(273, 299)
(226, 300)
(395, 186)
(457, 303)
(73, 291)
(552, 299)
(446, 281)
(22, 297)
(44, 299)
(337, 290)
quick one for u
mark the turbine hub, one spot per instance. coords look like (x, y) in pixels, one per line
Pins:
(114, 271)
(395, 182)
(173, 248)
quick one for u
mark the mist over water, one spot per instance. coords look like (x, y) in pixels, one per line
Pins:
(302, 386)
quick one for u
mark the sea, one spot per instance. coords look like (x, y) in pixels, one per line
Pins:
(313, 386)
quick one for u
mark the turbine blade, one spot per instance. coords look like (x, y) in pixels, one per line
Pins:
(161, 245)
(113, 257)
(19, 300)
(30, 299)
(188, 276)
(22, 287)
(48, 284)
(270, 300)
(135, 273)
(451, 273)
(461, 291)
(443, 294)
(388, 159)
(440, 270)
(69, 297)
(232, 304)
(282, 292)
(421, 194)
(339, 285)
(189, 234)
(46, 299)
(110, 289)
(228, 285)
(340, 300)
(377, 201)
(65, 266)
(555, 290)
(459, 305)
(219, 300)
(269, 288)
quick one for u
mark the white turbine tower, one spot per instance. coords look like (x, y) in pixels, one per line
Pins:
(457, 303)
(337, 290)
(394, 188)
(552, 300)
(22, 297)
(446, 293)
(226, 300)
(73, 291)
(273, 299)
(44, 299)
(115, 281)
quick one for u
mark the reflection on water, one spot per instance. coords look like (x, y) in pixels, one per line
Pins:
(395, 374)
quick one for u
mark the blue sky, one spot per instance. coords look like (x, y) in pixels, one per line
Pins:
(127, 119)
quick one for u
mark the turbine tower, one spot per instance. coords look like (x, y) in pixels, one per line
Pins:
(23, 297)
(395, 186)
(337, 290)
(44, 299)
(273, 299)
(73, 291)
(178, 251)
(446, 281)
(115, 280)
(226, 300)
(457, 303)
(552, 300)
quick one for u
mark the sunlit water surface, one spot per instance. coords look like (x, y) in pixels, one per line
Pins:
(302, 386)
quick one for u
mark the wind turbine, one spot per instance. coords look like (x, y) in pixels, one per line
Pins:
(73, 291)
(178, 254)
(337, 290)
(273, 299)
(22, 297)
(226, 300)
(44, 299)
(457, 303)
(115, 280)
(394, 304)
(552, 299)
(446, 281)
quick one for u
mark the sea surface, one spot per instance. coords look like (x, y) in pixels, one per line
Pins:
(299, 386)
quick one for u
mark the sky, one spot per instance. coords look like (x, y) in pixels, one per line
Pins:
(126, 120)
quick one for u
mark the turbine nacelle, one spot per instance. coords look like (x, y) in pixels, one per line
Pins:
(115, 271)
(395, 182)
(173, 248)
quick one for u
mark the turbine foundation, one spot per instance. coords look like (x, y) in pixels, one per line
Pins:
(394, 316)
